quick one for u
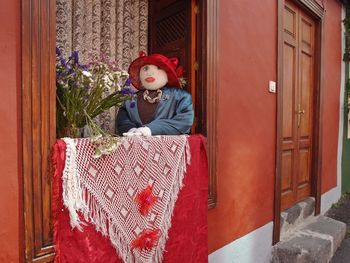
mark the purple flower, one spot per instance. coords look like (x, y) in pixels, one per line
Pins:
(75, 57)
(64, 62)
(84, 67)
(70, 71)
(58, 52)
(127, 82)
(126, 91)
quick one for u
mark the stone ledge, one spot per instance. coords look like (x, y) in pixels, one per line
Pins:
(297, 216)
(314, 243)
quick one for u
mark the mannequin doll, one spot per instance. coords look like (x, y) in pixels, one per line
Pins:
(162, 107)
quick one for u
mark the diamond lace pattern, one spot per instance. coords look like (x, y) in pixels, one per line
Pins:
(111, 183)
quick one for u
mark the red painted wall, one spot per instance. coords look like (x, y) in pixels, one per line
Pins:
(247, 115)
(9, 164)
(246, 120)
(332, 69)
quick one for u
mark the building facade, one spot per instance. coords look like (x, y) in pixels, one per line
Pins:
(254, 169)
(242, 227)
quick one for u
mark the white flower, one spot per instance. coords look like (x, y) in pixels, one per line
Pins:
(107, 80)
(96, 138)
(87, 74)
(117, 74)
(125, 73)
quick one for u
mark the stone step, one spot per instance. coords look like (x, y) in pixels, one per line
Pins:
(297, 216)
(316, 242)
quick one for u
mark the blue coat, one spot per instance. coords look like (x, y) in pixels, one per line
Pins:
(173, 116)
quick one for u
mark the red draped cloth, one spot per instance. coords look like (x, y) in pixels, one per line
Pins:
(187, 242)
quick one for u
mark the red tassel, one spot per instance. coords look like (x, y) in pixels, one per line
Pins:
(147, 239)
(145, 200)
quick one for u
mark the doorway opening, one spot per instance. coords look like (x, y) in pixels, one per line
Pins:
(176, 30)
(298, 151)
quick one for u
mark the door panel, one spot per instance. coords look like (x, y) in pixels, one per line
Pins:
(305, 100)
(288, 91)
(303, 176)
(289, 20)
(298, 88)
(290, 62)
(287, 168)
(306, 95)
(38, 125)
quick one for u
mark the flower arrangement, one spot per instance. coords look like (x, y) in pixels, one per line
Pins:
(85, 91)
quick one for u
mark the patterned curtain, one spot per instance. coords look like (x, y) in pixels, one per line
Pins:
(117, 28)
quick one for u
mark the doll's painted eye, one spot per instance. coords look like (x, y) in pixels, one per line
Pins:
(158, 67)
(145, 68)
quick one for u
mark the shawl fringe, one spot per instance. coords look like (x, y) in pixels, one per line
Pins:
(77, 198)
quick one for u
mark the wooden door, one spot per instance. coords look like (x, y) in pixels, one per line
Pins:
(170, 32)
(174, 30)
(298, 105)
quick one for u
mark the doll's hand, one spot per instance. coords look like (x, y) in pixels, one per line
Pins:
(145, 131)
(132, 132)
(142, 131)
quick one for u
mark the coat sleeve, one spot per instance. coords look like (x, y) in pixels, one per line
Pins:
(124, 122)
(180, 123)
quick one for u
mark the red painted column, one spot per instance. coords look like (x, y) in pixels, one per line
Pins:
(246, 120)
(332, 76)
(9, 126)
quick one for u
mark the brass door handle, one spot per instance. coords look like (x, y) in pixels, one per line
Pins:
(300, 112)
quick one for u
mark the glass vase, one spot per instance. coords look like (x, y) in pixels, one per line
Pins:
(72, 132)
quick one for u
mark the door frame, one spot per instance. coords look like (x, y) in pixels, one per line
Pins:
(317, 12)
(38, 126)
(207, 83)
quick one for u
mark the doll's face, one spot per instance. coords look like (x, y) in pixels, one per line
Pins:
(152, 77)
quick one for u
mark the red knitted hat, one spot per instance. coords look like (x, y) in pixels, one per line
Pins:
(169, 65)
